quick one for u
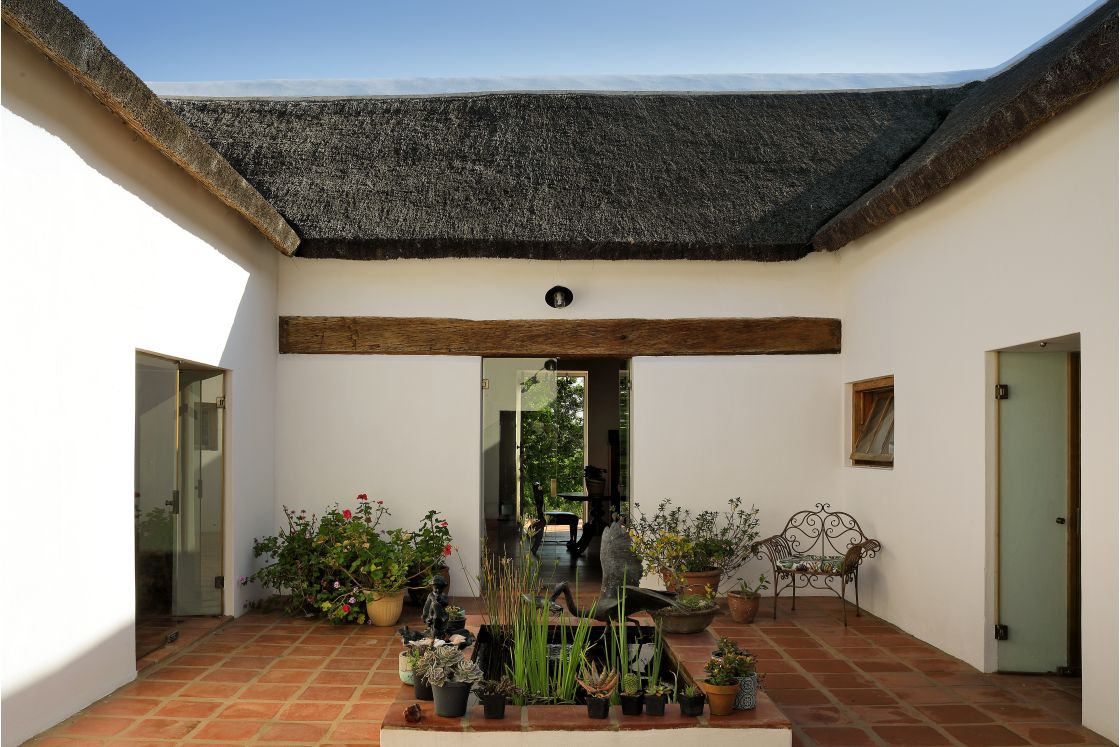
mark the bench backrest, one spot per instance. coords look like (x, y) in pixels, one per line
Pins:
(822, 532)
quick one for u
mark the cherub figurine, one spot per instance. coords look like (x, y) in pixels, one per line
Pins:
(434, 613)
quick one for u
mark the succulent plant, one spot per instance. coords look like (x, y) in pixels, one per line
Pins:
(598, 684)
(444, 664)
(631, 683)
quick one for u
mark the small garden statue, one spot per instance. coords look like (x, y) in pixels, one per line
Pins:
(434, 613)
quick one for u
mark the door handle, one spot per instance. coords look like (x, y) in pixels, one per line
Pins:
(1060, 520)
(174, 502)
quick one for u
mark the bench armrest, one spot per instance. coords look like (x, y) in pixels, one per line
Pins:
(869, 548)
(774, 548)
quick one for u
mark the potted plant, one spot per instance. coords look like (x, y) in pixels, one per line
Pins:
(694, 614)
(722, 684)
(746, 672)
(421, 688)
(691, 701)
(630, 694)
(432, 542)
(451, 677)
(743, 603)
(656, 697)
(694, 552)
(599, 686)
(456, 617)
(494, 694)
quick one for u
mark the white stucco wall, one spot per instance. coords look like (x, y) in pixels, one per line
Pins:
(1025, 249)
(108, 248)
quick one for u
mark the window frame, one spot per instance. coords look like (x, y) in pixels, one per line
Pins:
(864, 394)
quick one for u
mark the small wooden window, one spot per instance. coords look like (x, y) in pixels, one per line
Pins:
(873, 422)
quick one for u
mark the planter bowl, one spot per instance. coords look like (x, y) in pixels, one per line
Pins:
(673, 621)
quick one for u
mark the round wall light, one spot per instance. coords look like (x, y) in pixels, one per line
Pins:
(558, 297)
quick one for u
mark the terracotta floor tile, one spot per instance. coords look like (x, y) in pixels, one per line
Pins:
(315, 711)
(225, 674)
(177, 674)
(328, 692)
(799, 697)
(250, 710)
(816, 715)
(301, 733)
(298, 662)
(229, 730)
(865, 696)
(161, 728)
(825, 665)
(843, 680)
(366, 711)
(901, 679)
(152, 688)
(927, 695)
(1057, 734)
(787, 682)
(188, 709)
(97, 726)
(286, 676)
(1015, 713)
(355, 731)
(380, 694)
(882, 665)
(210, 690)
(342, 678)
(268, 692)
(840, 736)
(954, 714)
(68, 742)
(876, 714)
(911, 736)
(250, 662)
(990, 735)
(124, 707)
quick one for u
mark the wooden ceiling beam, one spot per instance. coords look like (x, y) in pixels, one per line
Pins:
(622, 338)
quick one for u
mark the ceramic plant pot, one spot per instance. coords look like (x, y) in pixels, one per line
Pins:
(747, 696)
(385, 609)
(451, 699)
(673, 621)
(742, 609)
(493, 706)
(598, 707)
(693, 706)
(631, 704)
(655, 704)
(404, 668)
(421, 690)
(721, 698)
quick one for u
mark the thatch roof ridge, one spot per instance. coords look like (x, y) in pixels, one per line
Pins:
(54, 30)
(998, 113)
(574, 175)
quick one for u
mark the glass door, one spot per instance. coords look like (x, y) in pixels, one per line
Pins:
(177, 496)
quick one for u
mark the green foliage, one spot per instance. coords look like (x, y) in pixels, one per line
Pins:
(749, 591)
(729, 667)
(443, 664)
(552, 440)
(598, 683)
(675, 541)
(631, 683)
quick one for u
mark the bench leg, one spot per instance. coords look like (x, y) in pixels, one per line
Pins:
(855, 579)
(572, 532)
(775, 577)
(793, 607)
(844, 599)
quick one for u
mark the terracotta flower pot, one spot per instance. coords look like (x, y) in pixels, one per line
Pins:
(673, 621)
(743, 609)
(385, 609)
(721, 698)
(693, 582)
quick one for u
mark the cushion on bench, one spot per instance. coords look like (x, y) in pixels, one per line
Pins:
(812, 563)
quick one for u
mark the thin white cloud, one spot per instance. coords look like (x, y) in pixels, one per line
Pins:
(429, 86)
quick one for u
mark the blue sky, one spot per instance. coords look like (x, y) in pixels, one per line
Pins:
(282, 39)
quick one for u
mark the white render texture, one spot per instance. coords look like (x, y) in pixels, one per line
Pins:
(108, 249)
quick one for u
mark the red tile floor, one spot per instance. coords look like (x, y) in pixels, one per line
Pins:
(266, 679)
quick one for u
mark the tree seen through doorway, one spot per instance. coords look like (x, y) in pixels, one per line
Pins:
(552, 441)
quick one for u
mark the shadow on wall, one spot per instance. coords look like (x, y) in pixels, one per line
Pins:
(32, 707)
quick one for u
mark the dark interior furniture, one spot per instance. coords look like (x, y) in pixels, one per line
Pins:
(544, 518)
(598, 516)
(818, 549)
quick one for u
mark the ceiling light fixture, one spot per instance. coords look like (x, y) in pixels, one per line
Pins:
(558, 297)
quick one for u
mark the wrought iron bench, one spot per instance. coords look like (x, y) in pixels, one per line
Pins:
(816, 549)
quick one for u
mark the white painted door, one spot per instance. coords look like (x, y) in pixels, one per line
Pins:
(1033, 501)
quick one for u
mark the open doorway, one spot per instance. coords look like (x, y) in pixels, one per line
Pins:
(1038, 527)
(544, 421)
(178, 497)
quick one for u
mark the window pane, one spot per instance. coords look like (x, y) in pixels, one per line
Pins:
(882, 441)
(867, 432)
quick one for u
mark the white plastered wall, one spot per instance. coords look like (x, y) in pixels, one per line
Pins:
(1025, 249)
(108, 248)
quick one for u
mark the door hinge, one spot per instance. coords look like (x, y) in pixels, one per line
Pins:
(1001, 632)
(220, 402)
(486, 383)
(219, 582)
(1002, 391)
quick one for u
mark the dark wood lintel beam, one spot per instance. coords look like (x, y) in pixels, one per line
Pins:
(622, 338)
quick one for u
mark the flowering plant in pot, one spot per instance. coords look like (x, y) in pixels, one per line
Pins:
(723, 682)
(432, 540)
(599, 686)
(694, 551)
(743, 602)
(494, 694)
(372, 562)
(451, 676)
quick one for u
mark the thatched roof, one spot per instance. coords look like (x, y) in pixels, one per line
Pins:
(56, 32)
(999, 112)
(567, 175)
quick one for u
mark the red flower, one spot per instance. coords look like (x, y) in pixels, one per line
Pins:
(443, 523)
(346, 514)
(363, 497)
(381, 503)
(345, 608)
(446, 550)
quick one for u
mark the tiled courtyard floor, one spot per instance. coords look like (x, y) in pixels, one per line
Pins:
(266, 679)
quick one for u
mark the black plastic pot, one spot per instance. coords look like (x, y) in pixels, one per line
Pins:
(631, 704)
(598, 707)
(693, 706)
(493, 706)
(451, 699)
(420, 688)
(655, 704)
